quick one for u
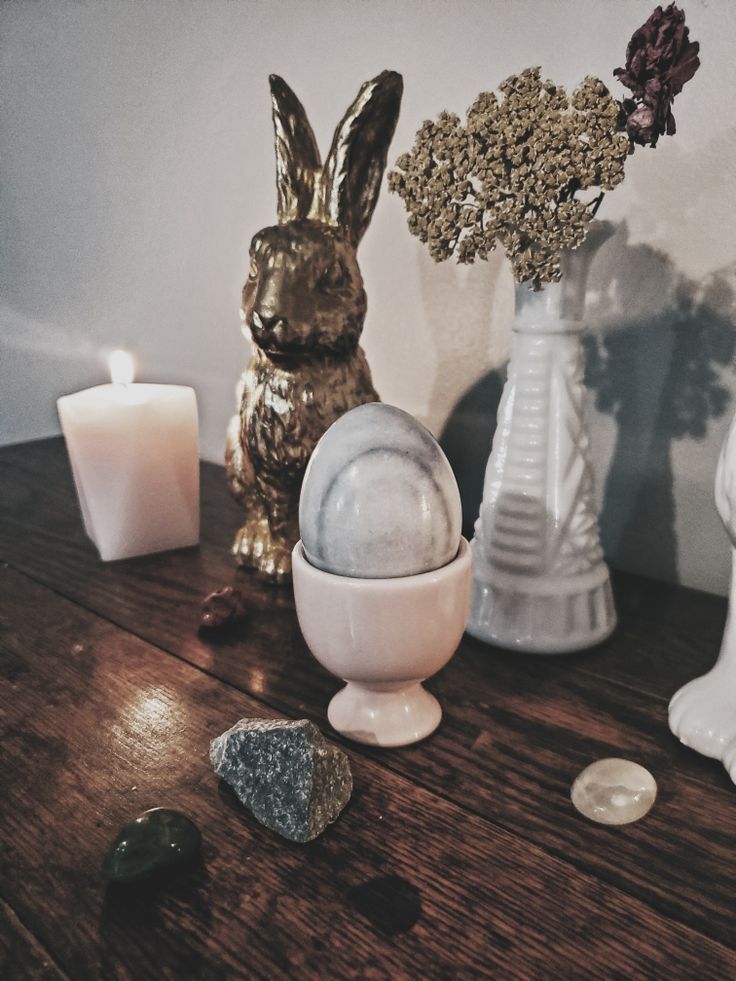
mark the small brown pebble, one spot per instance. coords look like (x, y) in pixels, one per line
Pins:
(222, 609)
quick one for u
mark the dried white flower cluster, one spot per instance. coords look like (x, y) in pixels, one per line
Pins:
(514, 174)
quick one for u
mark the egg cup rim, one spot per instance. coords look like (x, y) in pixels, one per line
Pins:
(448, 571)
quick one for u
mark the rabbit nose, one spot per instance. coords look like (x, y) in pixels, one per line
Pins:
(266, 323)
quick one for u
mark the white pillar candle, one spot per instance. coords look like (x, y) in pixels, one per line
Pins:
(134, 453)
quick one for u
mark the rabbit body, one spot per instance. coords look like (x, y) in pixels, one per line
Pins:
(283, 414)
(303, 309)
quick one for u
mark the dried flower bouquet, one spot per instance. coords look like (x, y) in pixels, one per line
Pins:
(529, 169)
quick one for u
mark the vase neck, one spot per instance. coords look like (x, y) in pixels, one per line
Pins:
(560, 307)
(543, 312)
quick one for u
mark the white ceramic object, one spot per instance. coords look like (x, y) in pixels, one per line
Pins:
(702, 713)
(384, 637)
(540, 584)
(379, 498)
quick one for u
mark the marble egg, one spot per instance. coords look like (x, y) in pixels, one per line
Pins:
(379, 498)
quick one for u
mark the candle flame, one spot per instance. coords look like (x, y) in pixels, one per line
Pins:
(122, 367)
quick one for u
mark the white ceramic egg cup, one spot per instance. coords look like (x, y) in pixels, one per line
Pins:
(384, 637)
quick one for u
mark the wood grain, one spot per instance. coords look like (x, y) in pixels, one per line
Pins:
(459, 855)
(661, 628)
(516, 730)
(108, 725)
(21, 955)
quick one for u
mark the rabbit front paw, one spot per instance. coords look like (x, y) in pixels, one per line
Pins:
(729, 759)
(268, 554)
(702, 714)
(275, 563)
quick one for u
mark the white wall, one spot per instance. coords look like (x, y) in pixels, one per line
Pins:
(137, 162)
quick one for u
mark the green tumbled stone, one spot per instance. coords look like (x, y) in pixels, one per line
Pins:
(159, 839)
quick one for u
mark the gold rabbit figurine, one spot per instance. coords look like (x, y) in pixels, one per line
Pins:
(303, 309)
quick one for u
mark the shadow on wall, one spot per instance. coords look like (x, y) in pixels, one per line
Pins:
(466, 440)
(653, 358)
(653, 365)
(467, 310)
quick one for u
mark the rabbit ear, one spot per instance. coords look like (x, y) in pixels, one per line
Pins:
(357, 159)
(297, 155)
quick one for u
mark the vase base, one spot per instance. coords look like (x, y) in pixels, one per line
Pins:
(543, 616)
(384, 718)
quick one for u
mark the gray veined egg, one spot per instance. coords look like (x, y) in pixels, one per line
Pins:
(379, 498)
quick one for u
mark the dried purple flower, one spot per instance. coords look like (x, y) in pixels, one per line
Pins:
(660, 59)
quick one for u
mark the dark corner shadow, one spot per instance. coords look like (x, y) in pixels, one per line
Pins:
(169, 914)
(655, 351)
(654, 356)
(466, 440)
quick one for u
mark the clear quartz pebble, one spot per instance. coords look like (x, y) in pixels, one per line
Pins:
(614, 791)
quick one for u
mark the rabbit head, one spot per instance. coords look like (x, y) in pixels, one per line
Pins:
(304, 292)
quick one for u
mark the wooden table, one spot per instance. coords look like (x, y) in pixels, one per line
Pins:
(461, 856)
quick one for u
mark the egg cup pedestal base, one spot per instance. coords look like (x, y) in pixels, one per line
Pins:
(383, 637)
(381, 717)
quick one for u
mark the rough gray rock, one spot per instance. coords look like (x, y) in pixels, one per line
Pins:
(286, 773)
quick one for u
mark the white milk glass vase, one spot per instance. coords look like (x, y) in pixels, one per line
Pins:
(540, 583)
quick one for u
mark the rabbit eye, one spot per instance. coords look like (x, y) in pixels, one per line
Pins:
(333, 277)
